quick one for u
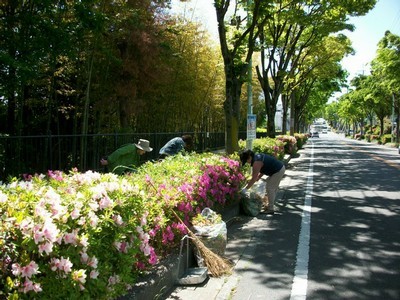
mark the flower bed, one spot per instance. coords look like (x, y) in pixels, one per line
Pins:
(267, 145)
(290, 143)
(91, 235)
(301, 139)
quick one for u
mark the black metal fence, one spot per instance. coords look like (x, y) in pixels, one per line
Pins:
(37, 154)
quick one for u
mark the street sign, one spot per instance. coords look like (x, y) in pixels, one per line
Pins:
(251, 127)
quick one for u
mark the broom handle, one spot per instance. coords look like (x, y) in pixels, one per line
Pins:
(175, 214)
(180, 220)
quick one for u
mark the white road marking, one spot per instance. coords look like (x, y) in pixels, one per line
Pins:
(299, 287)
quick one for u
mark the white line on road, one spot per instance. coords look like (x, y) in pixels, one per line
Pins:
(299, 287)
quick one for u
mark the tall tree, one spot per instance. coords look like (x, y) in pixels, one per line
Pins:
(294, 27)
(317, 76)
(237, 36)
(386, 67)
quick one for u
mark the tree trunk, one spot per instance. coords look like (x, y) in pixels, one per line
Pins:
(232, 112)
(285, 102)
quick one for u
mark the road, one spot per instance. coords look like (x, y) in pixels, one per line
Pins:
(336, 236)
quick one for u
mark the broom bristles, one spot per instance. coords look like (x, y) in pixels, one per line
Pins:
(216, 265)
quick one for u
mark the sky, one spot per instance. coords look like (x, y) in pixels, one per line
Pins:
(369, 30)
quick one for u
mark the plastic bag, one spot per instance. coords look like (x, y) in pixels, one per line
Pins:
(213, 235)
(252, 200)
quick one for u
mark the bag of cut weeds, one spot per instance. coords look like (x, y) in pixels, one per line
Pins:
(251, 201)
(212, 231)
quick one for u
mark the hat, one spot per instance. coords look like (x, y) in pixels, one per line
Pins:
(144, 145)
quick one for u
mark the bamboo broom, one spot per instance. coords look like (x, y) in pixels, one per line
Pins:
(216, 265)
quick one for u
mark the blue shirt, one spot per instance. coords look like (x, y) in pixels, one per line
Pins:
(271, 165)
(173, 146)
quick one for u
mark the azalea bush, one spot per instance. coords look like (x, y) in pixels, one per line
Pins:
(301, 139)
(290, 143)
(91, 235)
(274, 147)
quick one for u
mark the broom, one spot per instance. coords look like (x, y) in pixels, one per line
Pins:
(216, 265)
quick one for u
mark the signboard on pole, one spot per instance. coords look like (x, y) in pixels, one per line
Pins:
(251, 127)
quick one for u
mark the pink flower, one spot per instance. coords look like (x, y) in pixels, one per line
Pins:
(27, 177)
(118, 219)
(37, 236)
(153, 257)
(148, 178)
(84, 257)
(140, 265)
(75, 214)
(145, 248)
(46, 247)
(94, 274)
(31, 269)
(168, 235)
(56, 175)
(65, 265)
(61, 264)
(105, 202)
(93, 261)
(122, 246)
(16, 269)
(143, 220)
(26, 225)
(93, 219)
(71, 238)
(113, 280)
(50, 231)
(31, 286)
(153, 232)
(179, 226)
(83, 241)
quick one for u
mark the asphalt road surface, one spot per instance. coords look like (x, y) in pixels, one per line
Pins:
(336, 234)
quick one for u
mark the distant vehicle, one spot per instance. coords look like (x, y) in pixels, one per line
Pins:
(315, 134)
(324, 131)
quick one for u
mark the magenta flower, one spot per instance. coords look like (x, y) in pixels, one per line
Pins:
(168, 235)
(153, 257)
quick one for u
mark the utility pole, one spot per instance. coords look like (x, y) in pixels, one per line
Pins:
(249, 140)
(393, 120)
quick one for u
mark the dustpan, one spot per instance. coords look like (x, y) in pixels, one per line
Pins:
(191, 276)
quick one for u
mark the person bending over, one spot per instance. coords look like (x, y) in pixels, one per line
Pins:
(264, 164)
(127, 157)
(176, 145)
